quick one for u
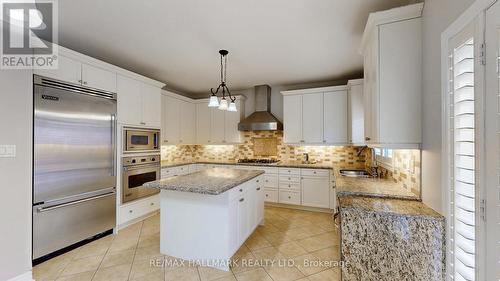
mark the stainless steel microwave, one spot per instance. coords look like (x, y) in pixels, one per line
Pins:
(141, 140)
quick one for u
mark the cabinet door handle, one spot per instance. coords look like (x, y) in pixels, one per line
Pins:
(367, 138)
(324, 141)
(288, 185)
(289, 197)
(241, 190)
(314, 172)
(267, 195)
(258, 188)
(257, 181)
(130, 211)
(242, 199)
(85, 82)
(152, 204)
(80, 81)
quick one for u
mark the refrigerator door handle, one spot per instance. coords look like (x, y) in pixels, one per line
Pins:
(113, 144)
(45, 209)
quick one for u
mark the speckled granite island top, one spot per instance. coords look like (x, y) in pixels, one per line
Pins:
(372, 187)
(285, 164)
(212, 181)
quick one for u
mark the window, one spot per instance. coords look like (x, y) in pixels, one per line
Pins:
(384, 156)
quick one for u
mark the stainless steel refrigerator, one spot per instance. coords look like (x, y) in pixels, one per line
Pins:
(74, 181)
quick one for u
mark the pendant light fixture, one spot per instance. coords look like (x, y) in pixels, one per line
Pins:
(224, 104)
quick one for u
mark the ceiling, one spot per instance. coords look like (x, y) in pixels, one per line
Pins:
(276, 42)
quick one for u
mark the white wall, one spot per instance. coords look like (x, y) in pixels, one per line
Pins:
(437, 16)
(15, 173)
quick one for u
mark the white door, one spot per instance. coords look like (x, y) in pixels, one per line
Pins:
(356, 115)
(129, 101)
(492, 142)
(292, 119)
(316, 192)
(243, 218)
(68, 70)
(218, 125)
(171, 132)
(232, 135)
(98, 78)
(151, 105)
(203, 123)
(335, 117)
(312, 118)
(187, 122)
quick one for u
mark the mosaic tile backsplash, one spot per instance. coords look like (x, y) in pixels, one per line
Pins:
(405, 169)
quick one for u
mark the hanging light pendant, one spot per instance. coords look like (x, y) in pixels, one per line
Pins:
(214, 100)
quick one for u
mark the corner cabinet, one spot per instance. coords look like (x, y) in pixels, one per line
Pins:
(392, 50)
(315, 116)
(139, 103)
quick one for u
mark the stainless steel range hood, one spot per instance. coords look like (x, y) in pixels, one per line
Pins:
(261, 119)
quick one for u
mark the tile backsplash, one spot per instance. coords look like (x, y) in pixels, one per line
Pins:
(405, 168)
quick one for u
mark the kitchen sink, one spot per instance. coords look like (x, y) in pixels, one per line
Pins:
(355, 173)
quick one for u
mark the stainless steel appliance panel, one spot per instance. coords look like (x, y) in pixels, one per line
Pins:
(137, 171)
(74, 136)
(58, 226)
(141, 140)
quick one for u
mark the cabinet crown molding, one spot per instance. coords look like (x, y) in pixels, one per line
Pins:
(314, 90)
(355, 82)
(383, 17)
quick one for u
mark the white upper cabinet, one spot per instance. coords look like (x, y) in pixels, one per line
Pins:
(312, 118)
(129, 100)
(98, 78)
(203, 123)
(187, 122)
(214, 126)
(356, 126)
(392, 50)
(151, 105)
(139, 104)
(74, 71)
(171, 120)
(315, 116)
(68, 70)
(335, 117)
(218, 126)
(292, 119)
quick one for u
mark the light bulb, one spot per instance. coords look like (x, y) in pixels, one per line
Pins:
(232, 107)
(214, 101)
(223, 104)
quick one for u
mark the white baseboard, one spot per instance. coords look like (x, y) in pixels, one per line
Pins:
(27, 276)
(298, 207)
(131, 222)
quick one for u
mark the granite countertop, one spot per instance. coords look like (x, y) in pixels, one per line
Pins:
(388, 206)
(212, 181)
(282, 164)
(372, 187)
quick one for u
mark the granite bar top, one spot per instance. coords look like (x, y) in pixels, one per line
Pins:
(388, 206)
(211, 181)
(284, 164)
(372, 187)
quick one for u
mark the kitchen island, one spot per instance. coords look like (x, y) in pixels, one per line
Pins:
(207, 215)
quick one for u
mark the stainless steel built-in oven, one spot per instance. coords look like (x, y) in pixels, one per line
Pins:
(136, 171)
(141, 140)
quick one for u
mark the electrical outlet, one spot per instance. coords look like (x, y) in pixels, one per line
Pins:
(7, 151)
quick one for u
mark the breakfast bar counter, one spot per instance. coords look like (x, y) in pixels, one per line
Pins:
(207, 215)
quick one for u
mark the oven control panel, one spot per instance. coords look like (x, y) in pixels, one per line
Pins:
(139, 160)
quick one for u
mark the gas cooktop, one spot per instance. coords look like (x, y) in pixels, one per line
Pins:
(258, 161)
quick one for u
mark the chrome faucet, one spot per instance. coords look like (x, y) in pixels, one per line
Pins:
(373, 164)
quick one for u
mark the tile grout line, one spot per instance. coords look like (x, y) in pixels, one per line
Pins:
(135, 251)
(99, 266)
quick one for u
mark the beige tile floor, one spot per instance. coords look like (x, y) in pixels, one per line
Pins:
(288, 235)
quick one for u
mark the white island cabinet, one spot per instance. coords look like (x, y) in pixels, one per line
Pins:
(206, 216)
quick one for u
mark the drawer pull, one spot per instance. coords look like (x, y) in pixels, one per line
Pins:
(257, 180)
(289, 197)
(258, 188)
(267, 181)
(130, 211)
(242, 199)
(152, 204)
(289, 186)
(267, 195)
(241, 190)
(289, 178)
(314, 172)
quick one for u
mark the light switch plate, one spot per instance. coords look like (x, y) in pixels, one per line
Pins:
(7, 151)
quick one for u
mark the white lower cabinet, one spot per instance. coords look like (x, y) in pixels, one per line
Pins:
(139, 208)
(175, 171)
(289, 197)
(271, 195)
(316, 191)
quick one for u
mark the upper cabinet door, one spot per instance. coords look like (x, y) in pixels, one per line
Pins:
(356, 114)
(129, 101)
(187, 122)
(292, 119)
(68, 70)
(98, 78)
(335, 117)
(232, 135)
(151, 105)
(203, 123)
(312, 118)
(171, 132)
(218, 125)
